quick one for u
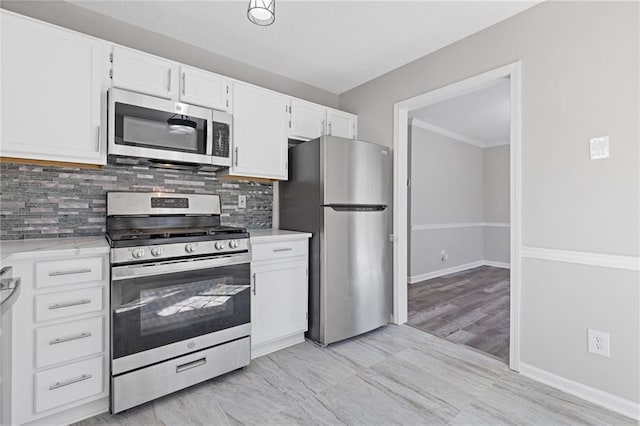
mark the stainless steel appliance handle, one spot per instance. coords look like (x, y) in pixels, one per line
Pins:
(149, 269)
(70, 272)
(69, 338)
(190, 365)
(71, 381)
(255, 283)
(9, 291)
(282, 249)
(69, 304)
(356, 207)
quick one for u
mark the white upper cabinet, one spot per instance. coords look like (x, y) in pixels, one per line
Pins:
(342, 124)
(144, 73)
(53, 90)
(260, 120)
(307, 120)
(198, 87)
(155, 76)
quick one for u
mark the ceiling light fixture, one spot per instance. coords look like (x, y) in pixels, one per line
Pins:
(262, 12)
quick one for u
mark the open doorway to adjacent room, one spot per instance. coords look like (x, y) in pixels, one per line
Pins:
(462, 220)
(459, 219)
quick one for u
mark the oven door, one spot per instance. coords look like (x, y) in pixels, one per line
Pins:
(139, 127)
(166, 309)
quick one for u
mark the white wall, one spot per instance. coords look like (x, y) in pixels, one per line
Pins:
(580, 68)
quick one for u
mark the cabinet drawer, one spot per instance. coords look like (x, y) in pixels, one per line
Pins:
(64, 342)
(67, 303)
(67, 384)
(69, 271)
(284, 249)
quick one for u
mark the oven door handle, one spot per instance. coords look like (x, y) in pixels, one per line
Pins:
(150, 269)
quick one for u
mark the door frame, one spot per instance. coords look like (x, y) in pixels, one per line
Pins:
(400, 192)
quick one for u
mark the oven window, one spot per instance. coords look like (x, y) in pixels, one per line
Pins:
(153, 311)
(150, 128)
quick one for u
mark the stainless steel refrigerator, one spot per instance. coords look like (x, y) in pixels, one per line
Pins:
(340, 190)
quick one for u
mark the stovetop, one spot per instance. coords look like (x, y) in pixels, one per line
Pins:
(152, 236)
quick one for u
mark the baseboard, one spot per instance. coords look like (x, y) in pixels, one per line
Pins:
(497, 264)
(276, 344)
(588, 393)
(435, 274)
(459, 268)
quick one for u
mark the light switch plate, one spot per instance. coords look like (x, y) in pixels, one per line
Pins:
(242, 201)
(599, 147)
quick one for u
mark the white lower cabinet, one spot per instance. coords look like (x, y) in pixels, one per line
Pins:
(55, 336)
(279, 285)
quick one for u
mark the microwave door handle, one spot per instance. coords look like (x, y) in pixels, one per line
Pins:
(209, 140)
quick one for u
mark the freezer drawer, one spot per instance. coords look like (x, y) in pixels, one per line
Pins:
(355, 285)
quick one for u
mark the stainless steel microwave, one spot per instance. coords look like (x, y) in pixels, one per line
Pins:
(167, 131)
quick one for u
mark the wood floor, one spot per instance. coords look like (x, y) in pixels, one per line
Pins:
(395, 375)
(469, 307)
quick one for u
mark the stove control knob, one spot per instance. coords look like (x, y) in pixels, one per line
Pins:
(190, 248)
(233, 244)
(219, 245)
(157, 251)
(137, 253)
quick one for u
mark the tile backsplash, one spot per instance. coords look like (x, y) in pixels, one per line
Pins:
(45, 201)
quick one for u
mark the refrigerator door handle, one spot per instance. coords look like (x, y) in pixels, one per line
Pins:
(357, 207)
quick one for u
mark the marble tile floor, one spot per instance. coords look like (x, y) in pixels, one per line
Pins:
(469, 307)
(396, 375)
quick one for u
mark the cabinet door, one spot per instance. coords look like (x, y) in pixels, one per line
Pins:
(259, 132)
(307, 120)
(198, 87)
(341, 124)
(143, 73)
(52, 92)
(279, 304)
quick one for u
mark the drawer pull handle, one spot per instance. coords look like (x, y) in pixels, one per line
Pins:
(70, 272)
(70, 382)
(190, 365)
(70, 338)
(282, 249)
(69, 304)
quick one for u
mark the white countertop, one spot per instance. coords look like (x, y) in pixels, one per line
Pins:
(267, 235)
(23, 249)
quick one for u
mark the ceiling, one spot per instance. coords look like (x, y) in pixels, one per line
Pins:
(481, 117)
(333, 45)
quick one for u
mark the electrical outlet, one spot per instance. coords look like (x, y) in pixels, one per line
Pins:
(598, 342)
(242, 201)
(443, 256)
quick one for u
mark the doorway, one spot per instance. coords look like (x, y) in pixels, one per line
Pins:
(405, 110)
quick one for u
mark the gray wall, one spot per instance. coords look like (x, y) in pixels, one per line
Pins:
(496, 203)
(85, 21)
(446, 188)
(580, 68)
(453, 182)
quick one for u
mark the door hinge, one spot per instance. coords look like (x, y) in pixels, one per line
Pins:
(111, 57)
(306, 271)
(111, 73)
(392, 238)
(289, 123)
(408, 182)
(227, 103)
(227, 90)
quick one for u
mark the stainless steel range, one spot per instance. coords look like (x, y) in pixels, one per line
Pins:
(180, 294)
